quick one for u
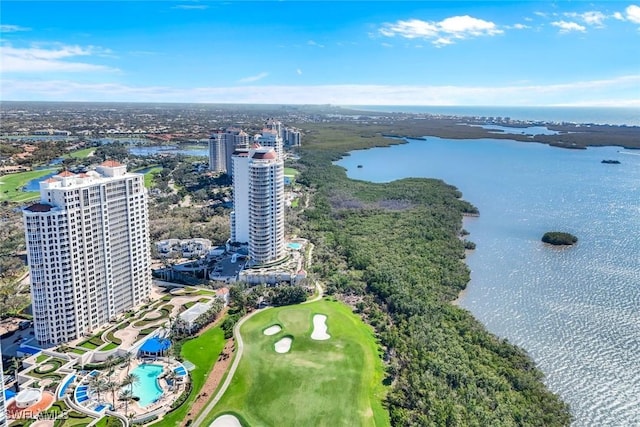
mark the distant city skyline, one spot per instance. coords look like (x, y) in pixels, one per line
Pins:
(316, 52)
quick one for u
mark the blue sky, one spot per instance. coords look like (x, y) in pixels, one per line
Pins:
(319, 52)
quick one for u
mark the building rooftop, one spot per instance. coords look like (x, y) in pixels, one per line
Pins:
(111, 164)
(268, 155)
(39, 207)
(66, 174)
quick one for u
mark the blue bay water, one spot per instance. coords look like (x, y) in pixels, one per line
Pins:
(575, 310)
(600, 115)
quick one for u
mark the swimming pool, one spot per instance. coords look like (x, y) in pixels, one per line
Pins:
(294, 246)
(147, 389)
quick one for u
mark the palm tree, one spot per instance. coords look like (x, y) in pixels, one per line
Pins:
(110, 363)
(112, 386)
(97, 384)
(127, 396)
(127, 359)
(128, 380)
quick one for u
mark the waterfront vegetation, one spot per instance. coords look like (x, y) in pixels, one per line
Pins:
(334, 382)
(395, 250)
(559, 238)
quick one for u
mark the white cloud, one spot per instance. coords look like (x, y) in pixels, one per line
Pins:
(442, 32)
(5, 28)
(518, 27)
(299, 72)
(566, 27)
(314, 43)
(442, 41)
(49, 59)
(615, 91)
(255, 78)
(462, 26)
(593, 18)
(618, 16)
(633, 13)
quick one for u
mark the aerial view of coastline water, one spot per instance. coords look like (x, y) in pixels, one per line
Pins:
(300, 213)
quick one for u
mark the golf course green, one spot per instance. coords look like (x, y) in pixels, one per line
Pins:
(11, 185)
(329, 382)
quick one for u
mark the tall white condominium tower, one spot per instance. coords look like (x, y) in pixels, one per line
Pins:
(234, 138)
(240, 214)
(258, 202)
(271, 138)
(217, 152)
(222, 144)
(273, 124)
(3, 404)
(291, 137)
(266, 205)
(88, 250)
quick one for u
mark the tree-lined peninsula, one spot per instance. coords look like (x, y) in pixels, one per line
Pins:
(394, 252)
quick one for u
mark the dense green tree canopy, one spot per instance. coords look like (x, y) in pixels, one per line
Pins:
(396, 249)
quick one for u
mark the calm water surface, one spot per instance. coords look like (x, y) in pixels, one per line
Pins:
(575, 310)
(152, 150)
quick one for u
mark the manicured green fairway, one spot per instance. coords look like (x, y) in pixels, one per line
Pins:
(81, 154)
(291, 171)
(150, 174)
(10, 185)
(337, 382)
(202, 351)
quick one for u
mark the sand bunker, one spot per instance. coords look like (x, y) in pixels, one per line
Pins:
(226, 421)
(272, 330)
(284, 345)
(320, 328)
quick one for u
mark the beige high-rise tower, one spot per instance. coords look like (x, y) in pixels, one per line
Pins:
(258, 201)
(88, 250)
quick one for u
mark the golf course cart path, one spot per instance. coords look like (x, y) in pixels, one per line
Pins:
(232, 371)
(236, 361)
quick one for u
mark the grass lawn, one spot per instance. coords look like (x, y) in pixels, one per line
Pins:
(203, 352)
(291, 171)
(41, 358)
(148, 177)
(337, 382)
(10, 185)
(81, 154)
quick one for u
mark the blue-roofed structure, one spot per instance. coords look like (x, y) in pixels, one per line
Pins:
(155, 346)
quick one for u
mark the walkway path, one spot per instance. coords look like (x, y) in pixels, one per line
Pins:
(236, 361)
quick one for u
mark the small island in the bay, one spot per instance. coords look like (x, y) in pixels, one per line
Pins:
(611, 162)
(559, 238)
(359, 166)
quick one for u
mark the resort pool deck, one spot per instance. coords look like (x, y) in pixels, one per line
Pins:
(147, 389)
(66, 385)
